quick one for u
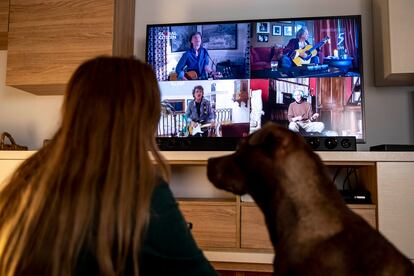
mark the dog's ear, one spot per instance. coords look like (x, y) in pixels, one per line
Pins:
(271, 138)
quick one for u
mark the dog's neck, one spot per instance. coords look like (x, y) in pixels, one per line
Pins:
(306, 210)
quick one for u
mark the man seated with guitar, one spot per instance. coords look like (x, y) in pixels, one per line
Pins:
(299, 51)
(200, 115)
(194, 63)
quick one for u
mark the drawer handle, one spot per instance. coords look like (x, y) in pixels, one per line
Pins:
(190, 225)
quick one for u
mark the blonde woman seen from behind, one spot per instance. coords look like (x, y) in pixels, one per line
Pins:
(92, 202)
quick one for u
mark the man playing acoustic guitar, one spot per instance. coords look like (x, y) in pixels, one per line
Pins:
(299, 51)
(194, 63)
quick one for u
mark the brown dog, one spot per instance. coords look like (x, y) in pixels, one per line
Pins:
(312, 229)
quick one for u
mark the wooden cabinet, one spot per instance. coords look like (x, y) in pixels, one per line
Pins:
(396, 204)
(214, 224)
(393, 42)
(254, 234)
(232, 232)
(6, 168)
(4, 23)
(254, 251)
(48, 39)
(9, 161)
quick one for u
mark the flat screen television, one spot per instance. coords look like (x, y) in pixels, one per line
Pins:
(221, 81)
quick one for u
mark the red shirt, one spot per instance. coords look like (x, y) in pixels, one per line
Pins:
(303, 109)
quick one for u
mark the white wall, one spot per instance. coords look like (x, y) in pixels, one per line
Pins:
(389, 111)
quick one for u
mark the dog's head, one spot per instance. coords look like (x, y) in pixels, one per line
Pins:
(260, 161)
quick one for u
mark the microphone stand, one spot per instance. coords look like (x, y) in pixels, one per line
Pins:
(213, 65)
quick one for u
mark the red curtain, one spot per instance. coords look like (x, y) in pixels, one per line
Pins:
(322, 29)
(262, 84)
(350, 42)
(331, 28)
(312, 86)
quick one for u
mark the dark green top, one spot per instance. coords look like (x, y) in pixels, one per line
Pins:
(168, 247)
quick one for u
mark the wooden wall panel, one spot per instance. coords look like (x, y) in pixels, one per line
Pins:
(4, 23)
(48, 39)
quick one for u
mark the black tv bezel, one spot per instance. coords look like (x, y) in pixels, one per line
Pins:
(230, 143)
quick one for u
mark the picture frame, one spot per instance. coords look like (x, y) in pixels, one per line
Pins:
(299, 25)
(178, 104)
(181, 40)
(263, 27)
(262, 38)
(220, 36)
(287, 30)
(277, 30)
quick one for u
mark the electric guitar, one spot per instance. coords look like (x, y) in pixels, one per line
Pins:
(198, 128)
(310, 52)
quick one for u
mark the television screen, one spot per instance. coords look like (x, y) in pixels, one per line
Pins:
(226, 79)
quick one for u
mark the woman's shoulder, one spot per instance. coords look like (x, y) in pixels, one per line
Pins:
(162, 197)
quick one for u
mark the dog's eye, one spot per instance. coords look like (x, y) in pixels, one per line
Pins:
(239, 159)
(242, 143)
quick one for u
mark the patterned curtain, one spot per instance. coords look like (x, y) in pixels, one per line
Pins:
(157, 51)
(247, 52)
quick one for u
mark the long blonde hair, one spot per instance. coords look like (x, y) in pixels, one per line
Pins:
(90, 187)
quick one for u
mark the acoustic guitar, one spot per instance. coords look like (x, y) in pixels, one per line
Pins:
(310, 52)
(190, 75)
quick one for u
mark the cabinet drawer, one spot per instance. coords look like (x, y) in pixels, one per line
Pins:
(254, 234)
(214, 225)
(367, 212)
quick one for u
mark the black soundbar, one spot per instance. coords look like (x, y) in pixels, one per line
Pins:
(331, 143)
(317, 143)
(197, 143)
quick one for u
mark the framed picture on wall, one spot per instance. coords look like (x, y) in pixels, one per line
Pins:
(177, 105)
(220, 36)
(287, 30)
(277, 30)
(262, 38)
(182, 41)
(263, 27)
(299, 25)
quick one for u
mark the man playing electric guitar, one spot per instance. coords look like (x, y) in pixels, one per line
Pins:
(299, 51)
(200, 115)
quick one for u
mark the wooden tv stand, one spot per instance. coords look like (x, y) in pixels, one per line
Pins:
(232, 232)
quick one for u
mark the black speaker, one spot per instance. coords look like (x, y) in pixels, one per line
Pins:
(392, 147)
(197, 143)
(331, 143)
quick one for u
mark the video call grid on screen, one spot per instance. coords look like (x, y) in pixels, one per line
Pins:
(248, 82)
